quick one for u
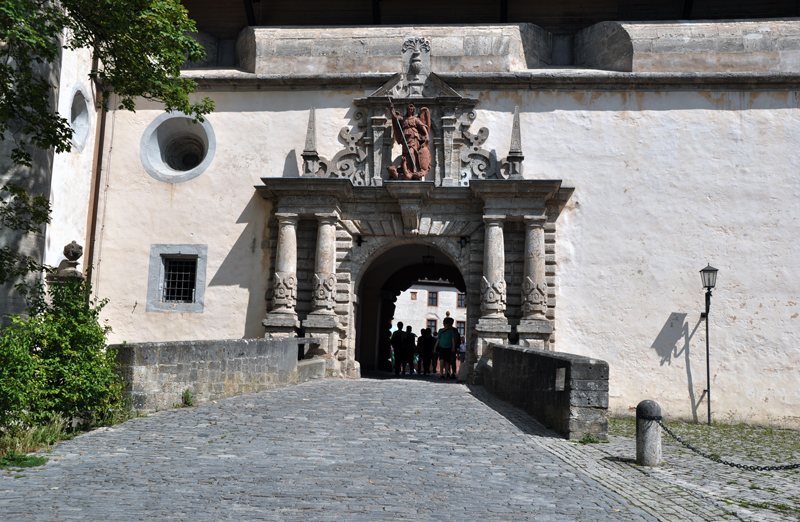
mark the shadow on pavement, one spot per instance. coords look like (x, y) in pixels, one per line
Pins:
(379, 375)
(514, 415)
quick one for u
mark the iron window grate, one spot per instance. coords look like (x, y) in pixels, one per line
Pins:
(180, 275)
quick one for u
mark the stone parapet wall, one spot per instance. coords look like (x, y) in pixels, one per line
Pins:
(567, 393)
(721, 46)
(156, 374)
(298, 50)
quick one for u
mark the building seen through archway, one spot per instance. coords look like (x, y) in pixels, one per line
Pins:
(390, 274)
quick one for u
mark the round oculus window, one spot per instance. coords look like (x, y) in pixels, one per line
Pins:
(79, 118)
(174, 148)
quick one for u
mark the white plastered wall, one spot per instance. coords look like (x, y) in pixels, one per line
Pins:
(258, 134)
(72, 171)
(416, 312)
(665, 182)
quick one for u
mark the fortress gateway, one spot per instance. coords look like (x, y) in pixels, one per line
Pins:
(570, 175)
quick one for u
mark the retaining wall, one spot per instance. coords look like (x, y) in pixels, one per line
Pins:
(567, 393)
(156, 374)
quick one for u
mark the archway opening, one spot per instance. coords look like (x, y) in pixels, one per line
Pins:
(387, 276)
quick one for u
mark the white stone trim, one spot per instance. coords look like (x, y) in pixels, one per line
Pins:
(155, 278)
(160, 132)
(80, 136)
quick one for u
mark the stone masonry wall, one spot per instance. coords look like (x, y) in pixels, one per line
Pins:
(156, 374)
(740, 46)
(325, 50)
(567, 393)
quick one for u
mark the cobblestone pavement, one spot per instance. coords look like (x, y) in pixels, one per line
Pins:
(364, 449)
(751, 495)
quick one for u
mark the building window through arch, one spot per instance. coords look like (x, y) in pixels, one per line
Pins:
(461, 326)
(433, 298)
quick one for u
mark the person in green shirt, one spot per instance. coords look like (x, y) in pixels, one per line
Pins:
(446, 346)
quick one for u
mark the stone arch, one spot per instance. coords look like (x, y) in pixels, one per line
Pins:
(382, 277)
(376, 246)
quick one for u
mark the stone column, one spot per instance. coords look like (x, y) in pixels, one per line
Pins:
(325, 266)
(322, 323)
(534, 329)
(282, 320)
(493, 326)
(493, 284)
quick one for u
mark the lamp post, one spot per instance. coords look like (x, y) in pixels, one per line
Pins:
(709, 277)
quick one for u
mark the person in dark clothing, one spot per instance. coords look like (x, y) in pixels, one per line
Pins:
(425, 349)
(399, 346)
(411, 347)
(447, 346)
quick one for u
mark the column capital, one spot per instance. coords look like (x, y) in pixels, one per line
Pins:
(327, 218)
(287, 218)
(494, 219)
(535, 221)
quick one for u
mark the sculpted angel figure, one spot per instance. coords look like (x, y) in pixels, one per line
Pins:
(412, 133)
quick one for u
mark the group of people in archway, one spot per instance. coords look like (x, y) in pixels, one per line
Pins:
(444, 351)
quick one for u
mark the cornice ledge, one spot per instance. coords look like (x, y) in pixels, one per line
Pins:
(593, 79)
(217, 79)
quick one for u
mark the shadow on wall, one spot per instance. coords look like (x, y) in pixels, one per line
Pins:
(290, 169)
(245, 265)
(667, 345)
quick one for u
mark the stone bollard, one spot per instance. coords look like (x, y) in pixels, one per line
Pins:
(648, 434)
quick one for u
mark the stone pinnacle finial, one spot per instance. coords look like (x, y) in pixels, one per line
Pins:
(311, 134)
(311, 160)
(516, 140)
(515, 156)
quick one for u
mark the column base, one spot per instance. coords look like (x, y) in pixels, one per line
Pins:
(325, 328)
(488, 330)
(281, 325)
(535, 333)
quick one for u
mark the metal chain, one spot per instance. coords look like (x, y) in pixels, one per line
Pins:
(657, 418)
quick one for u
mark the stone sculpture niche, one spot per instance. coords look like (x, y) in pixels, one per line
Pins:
(435, 141)
(412, 133)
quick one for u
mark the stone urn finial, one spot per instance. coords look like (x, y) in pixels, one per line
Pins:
(73, 251)
(69, 267)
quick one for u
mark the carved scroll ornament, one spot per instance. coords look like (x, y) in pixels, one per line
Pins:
(284, 295)
(324, 291)
(493, 296)
(534, 298)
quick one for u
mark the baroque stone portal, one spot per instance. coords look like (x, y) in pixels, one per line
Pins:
(441, 188)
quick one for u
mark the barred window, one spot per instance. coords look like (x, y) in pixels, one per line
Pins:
(176, 279)
(461, 326)
(433, 298)
(432, 325)
(180, 277)
(462, 300)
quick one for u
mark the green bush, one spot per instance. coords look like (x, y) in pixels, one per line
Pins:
(55, 362)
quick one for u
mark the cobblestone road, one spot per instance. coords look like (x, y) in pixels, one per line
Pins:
(341, 450)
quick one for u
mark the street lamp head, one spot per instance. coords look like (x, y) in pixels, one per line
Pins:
(709, 277)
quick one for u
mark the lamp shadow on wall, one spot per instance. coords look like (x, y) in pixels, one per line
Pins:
(674, 340)
(245, 265)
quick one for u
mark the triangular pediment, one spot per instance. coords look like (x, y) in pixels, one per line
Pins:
(398, 88)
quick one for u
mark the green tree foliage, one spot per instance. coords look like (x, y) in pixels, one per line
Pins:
(138, 48)
(20, 211)
(56, 362)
